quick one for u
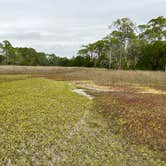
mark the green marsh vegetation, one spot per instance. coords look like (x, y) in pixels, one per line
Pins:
(42, 122)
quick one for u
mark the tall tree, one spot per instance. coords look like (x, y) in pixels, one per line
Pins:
(123, 33)
(154, 30)
(8, 52)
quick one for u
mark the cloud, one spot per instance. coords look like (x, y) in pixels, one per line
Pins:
(21, 36)
(61, 26)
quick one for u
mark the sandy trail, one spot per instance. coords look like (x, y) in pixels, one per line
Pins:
(83, 93)
(81, 122)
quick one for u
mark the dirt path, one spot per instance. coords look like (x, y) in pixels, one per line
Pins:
(82, 121)
(83, 93)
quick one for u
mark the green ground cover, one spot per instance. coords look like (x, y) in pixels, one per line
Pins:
(42, 122)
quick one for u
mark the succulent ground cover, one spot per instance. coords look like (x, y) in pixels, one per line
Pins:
(36, 114)
(139, 118)
(43, 122)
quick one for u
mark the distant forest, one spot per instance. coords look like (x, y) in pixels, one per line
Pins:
(128, 46)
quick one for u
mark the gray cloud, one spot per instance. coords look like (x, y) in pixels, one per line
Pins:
(21, 36)
(62, 26)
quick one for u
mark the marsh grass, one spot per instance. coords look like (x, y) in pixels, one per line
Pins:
(8, 78)
(99, 76)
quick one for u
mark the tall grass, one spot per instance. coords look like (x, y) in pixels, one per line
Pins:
(99, 76)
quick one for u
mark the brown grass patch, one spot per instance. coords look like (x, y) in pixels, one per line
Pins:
(102, 77)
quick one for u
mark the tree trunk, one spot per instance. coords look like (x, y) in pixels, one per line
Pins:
(120, 59)
(110, 60)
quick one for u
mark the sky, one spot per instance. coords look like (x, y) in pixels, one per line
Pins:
(63, 26)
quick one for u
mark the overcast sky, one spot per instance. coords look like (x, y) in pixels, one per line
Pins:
(62, 26)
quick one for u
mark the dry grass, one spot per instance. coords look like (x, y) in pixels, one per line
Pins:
(99, 76)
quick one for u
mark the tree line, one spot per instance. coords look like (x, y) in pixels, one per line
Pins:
(128, 46)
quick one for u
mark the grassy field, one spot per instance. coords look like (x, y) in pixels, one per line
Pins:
(43, 122)
(99, 76)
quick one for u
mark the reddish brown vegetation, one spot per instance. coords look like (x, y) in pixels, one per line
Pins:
(140, 118)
